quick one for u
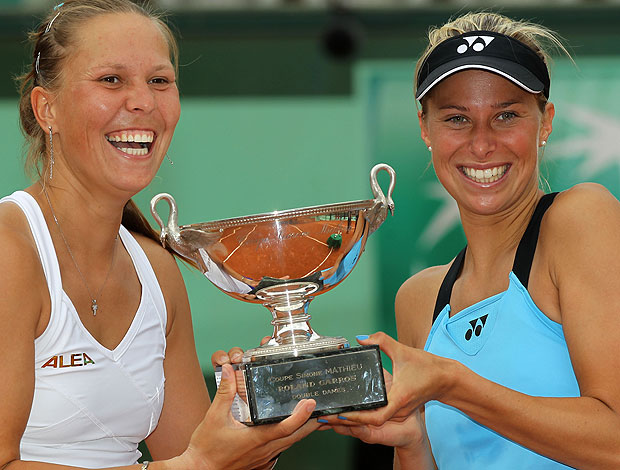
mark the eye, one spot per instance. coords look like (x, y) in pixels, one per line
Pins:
(457, 119)
(111, 79)
(161, 82)
(507, 116)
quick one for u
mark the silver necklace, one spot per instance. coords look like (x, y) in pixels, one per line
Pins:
(93, 300)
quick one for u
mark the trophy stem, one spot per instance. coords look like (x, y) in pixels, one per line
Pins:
(292, 333)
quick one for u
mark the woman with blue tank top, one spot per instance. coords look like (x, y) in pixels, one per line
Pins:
(508, 355)
(96, 335)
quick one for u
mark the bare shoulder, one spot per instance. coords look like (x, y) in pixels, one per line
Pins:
(586, 209)
(580, 232)
(160, 258)
(415, 302)
(22, 280)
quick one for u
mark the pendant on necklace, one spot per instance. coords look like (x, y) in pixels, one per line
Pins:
(94, 306)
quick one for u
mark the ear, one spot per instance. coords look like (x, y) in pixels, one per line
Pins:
(546, 124)
(42, 102)
(424, 129)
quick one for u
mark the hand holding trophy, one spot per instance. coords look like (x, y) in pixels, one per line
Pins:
(282, 260)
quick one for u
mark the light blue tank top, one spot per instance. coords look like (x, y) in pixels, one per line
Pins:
(508, 340)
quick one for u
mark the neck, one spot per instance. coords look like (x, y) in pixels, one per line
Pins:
(493, 240)
(90, 224)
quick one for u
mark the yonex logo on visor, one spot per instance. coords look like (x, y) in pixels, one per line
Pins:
(484, 50)
(477, 43)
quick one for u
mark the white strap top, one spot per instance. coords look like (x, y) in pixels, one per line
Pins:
(92, 405)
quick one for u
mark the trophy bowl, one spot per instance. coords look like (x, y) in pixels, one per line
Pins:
(282, 260)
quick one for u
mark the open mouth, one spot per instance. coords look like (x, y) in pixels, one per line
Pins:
(137, 143)
(488, 175)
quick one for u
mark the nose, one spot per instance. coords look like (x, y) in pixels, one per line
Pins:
(140, 98)
(482, 142)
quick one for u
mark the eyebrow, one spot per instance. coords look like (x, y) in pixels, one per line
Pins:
(156, 68)
(502, 105)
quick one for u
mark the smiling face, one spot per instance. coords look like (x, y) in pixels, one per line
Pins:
(117, 106)
(485, 133)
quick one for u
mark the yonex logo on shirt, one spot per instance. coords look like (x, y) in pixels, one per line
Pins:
(72, 360)
(477, 43)
(476, 327)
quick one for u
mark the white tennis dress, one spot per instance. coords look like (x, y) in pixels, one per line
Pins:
(92, 406)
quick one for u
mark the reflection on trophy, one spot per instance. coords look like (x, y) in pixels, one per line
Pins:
(282, 260)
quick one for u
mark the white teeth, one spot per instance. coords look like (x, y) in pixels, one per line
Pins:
(138, 152)
(488, 175)
(125, 137)
(133, 137)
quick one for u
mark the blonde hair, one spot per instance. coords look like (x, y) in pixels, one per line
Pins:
(537, 37)
(52, 44)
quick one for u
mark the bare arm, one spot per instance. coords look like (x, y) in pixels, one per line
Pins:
(579, 238)
(186, 399)
(582, 236)
(406, 432)
(414, 309)
(21, 283)
(195, 439)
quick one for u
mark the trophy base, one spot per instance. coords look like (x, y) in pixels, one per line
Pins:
(339, 381)
(316, 344)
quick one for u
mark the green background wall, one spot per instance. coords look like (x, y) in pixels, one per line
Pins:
(270, 121)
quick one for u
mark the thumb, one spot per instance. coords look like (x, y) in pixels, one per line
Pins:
(387, 344)
(228, 388)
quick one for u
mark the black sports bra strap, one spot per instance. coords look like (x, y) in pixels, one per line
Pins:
(445, 291)
(523, 257)
(527, 246)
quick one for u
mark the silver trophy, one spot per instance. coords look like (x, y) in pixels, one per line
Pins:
(282, 260)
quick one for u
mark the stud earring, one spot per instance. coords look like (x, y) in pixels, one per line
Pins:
(51, 152)
(430, 149)
(543, 143)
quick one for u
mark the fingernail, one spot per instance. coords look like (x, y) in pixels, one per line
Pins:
(226, 373)
(235, 356)
(324, 421)
(362, 337)
(310, 406)
(342, 417)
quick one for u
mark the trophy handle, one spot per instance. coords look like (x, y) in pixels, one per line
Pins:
(376, 189)
(171, 230)
(382, 203)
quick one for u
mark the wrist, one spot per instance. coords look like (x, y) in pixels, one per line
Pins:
(414, 457)
(186, 461)
(451, 372)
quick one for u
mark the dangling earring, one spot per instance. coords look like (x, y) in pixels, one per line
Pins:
(51, 153)
(168, 157)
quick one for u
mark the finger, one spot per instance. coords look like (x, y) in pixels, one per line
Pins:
(235, 355)
(226, 391)
(375, 417)
(336, 420)
(361, 432)
(387, 344)
(265, 340)
(303, 431)
(219, 358)
(343, 430)
(300, 415)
